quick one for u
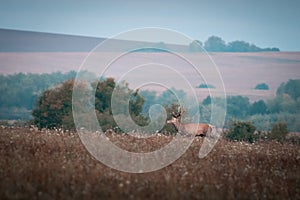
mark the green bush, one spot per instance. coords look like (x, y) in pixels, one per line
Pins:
(279, 131)
(241, 131)
(54, 107)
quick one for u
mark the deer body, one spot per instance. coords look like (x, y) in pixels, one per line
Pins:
(197, 129)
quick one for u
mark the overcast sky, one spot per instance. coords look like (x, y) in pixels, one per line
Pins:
(266, 23)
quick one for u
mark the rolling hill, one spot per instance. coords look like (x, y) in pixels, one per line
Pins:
(29, 41)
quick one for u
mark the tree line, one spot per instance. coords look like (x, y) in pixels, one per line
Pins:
(212, 44)
(22, 93)
(245, 121)
(217, 44)
(285, 106)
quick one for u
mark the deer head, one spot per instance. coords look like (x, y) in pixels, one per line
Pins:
(176, 117)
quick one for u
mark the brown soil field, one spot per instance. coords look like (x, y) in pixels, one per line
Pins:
(53, 165)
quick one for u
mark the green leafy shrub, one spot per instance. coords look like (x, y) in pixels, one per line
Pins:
(241, 131)
(54, 107)
(279, 131)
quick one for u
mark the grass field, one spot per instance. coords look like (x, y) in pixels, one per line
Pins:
(52, 165)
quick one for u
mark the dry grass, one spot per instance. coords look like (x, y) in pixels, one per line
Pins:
(49, 165)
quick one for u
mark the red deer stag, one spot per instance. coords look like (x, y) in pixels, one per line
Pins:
(197, 129)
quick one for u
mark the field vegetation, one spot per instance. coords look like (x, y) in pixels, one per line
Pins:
(52, 164)
(45, 159)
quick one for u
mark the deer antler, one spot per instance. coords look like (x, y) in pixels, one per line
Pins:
(179, 109)
(175, 115)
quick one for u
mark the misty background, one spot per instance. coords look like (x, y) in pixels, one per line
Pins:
(270, 23)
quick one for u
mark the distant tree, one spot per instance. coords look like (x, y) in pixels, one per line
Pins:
(270, 49)
(287, 98)
(261, 86)
(239, 46)
(283, 103)
(292, 88)
(215, 44)
(171, 96)
(150, 98)
(274, 105)
(258, 107)
(237, 107)
(242, 46)
(288, 104)
(207, 101)
(203, 85)
(196, 46)
(254, 48)
(20, 91)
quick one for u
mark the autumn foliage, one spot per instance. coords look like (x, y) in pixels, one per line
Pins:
(54, 107)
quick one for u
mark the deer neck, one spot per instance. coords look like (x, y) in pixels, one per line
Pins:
(177, 124)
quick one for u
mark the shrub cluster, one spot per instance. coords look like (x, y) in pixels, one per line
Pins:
(279, 131)
(241, 131)
(246, 131)
(54, 108)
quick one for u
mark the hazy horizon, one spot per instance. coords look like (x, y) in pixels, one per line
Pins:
(263, 23)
